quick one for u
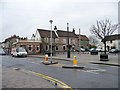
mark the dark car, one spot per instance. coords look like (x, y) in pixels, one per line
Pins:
(93, 51)
(2, 52)
(114, 51)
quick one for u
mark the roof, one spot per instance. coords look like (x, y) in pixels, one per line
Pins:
(46, 33)
(62, 33)
(112, 37)
(12, 37)
(83, 37)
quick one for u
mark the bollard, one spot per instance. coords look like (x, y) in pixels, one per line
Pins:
(46, 58)
(75, 62)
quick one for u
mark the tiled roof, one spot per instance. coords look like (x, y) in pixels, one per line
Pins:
(62, 33)
(46, 33)
(83, 37)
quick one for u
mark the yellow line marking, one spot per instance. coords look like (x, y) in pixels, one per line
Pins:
(59, 83)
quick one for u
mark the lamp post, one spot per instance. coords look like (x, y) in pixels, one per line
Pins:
(51, 37)
(68, 51)
(79, 42)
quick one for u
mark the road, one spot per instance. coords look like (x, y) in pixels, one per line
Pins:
(104, 77)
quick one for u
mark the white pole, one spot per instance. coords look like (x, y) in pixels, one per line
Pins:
(79, 41)
(51, 38)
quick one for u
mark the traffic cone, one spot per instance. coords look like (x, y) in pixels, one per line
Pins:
(75, 62)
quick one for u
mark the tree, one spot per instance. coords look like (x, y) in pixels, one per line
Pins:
(103, 28)
(93, 40)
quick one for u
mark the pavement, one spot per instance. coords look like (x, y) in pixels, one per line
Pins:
(84, 58)
(17, 79)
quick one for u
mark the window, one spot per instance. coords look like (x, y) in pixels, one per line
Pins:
(56, 40)
(64, 40)
(56, 47)
(73, 42)
(46, 47)
(111, 41)
(30, 47)
(63, 47)
(37, 47)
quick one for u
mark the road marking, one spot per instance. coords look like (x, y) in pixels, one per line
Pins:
(59, 83)
(53, 80)
(90, 71)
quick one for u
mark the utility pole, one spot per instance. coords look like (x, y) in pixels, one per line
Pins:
(68, 51)
(51, 38)
(79, 42)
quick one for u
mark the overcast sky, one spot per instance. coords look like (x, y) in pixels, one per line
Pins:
(23, 17)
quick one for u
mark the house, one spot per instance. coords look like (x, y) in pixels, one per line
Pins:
(62, 40)
(45, 37)
(8, 43)
(83, 41)
(59, 39)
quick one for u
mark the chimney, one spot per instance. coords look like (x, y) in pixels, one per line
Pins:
(55, 28)
(73, 30)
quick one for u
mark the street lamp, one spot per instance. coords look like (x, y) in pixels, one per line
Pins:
(68, 51)
(79, 41)
(51, 38)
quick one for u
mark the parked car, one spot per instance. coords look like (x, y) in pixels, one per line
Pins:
(82, 50)
(114, 51)
(19, 52)
(2, 52)
(99, 49)
(93, 51)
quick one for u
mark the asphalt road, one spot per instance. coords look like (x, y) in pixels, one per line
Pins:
(104, 77)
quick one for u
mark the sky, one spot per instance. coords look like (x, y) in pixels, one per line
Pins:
(23, 17)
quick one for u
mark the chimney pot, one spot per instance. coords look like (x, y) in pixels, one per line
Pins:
(55, 28)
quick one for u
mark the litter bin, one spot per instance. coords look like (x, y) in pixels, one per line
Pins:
(103, 57)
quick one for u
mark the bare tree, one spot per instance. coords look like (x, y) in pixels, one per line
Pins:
(93, 40)
(103, 28)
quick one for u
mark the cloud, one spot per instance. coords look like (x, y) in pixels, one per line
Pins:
(23, 17)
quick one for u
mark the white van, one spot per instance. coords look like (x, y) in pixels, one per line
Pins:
(19, 52)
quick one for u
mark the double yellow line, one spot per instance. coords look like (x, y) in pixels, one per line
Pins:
(53, 80)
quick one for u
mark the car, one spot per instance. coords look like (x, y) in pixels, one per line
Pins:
(114, 51)
(99, 49)
(18, 52)
(82, 50)
(2, 52)
(93, 51)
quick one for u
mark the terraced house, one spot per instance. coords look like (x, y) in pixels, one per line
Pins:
(59, 39)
